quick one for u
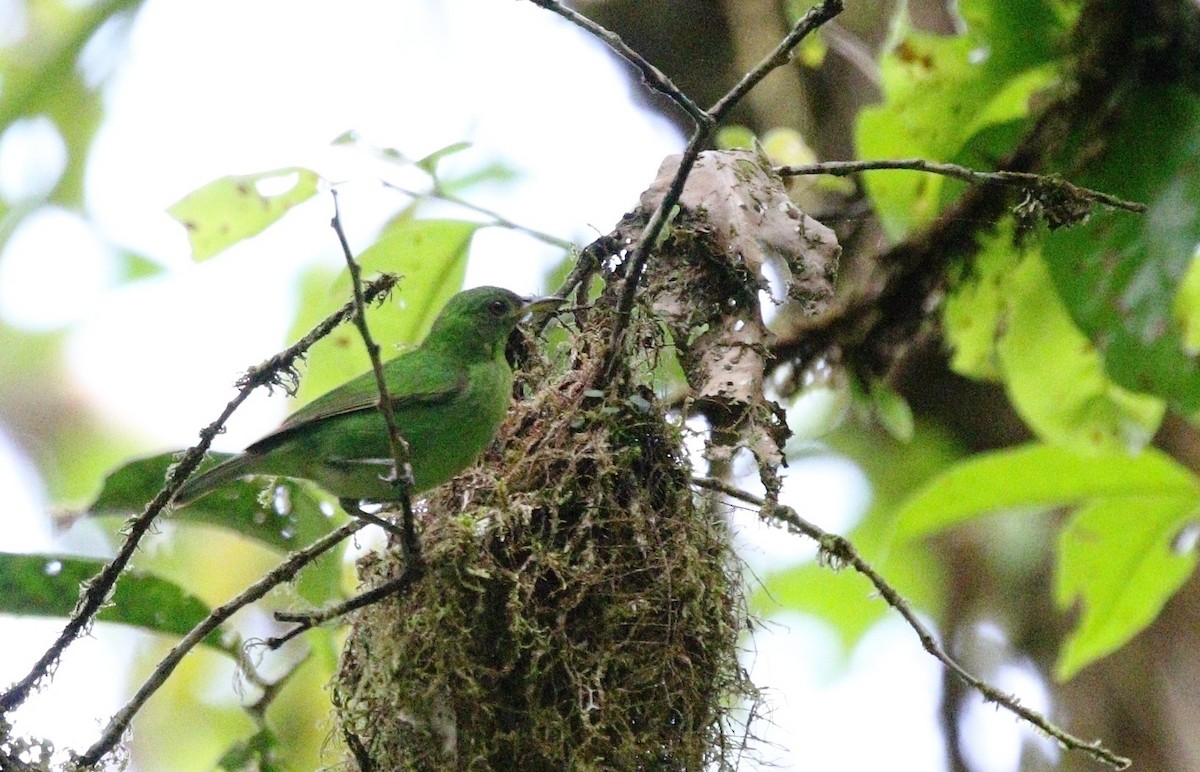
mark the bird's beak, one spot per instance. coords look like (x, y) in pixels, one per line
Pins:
(535, 305)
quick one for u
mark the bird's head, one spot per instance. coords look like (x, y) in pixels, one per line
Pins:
(481, 319)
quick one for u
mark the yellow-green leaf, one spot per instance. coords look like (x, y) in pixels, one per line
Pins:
(1118, 554)
(233, 208)
(430, 256)
(974, 309)
(1186, 307)
(941, 91)
(1056, 378)
(1038, 477)
(1117, 557)
(1005, 321)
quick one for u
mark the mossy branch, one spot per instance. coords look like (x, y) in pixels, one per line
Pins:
(1039, 184)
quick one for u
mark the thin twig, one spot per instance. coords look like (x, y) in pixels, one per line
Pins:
(705, 121)
(401, 476)
(358, 513)
(813, 18)
(651, 75)
(853, 50)
(838, 550)
(498, 220)
(1015, 179)
(306, 620)
(270, 690)
(277, 576)
(279, 370)
(640, 254)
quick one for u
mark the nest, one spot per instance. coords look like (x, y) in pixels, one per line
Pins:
(580, 608)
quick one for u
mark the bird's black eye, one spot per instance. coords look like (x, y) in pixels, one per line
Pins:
(497, 308)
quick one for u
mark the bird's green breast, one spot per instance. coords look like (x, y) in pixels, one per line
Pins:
(457, 432)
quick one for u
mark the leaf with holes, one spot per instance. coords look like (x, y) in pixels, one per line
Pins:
(233, 208)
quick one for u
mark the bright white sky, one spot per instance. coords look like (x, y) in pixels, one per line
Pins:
(214, 87)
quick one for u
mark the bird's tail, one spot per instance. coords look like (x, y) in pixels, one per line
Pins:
(204, 483)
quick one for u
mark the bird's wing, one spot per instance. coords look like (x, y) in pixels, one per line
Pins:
(415, 378)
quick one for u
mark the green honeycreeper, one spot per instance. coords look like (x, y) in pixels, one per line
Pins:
(448, 395)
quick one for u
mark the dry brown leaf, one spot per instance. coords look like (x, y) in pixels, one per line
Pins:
(733, 219)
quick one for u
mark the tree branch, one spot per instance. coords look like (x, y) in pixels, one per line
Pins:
(277, 576)
(809, 22)
(640, 253)
(651, 75)
(401, 476)
(1012, 179)
(837, 550)
(306, 620)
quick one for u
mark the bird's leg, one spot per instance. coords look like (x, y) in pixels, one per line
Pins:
(355, 509)
(401, 478)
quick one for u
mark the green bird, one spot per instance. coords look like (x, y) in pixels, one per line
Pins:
(448, 396)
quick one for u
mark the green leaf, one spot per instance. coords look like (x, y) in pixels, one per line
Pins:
(735, 136)
(1117, 554)
(259, 752)
(1117, 557)
(1120, 275)
(134, 267)
(1040, 476)
(289, 521)
(429, 164)
(1005, 321)
(233, 208)
(431, 258)
(1186, 308)
(812, 51)
(1055, 377)
(785, 145)
(973, 312)
(48, 586)
(892, 411)
(940, 91)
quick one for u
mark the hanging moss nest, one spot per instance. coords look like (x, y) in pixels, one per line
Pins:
(580, 608)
